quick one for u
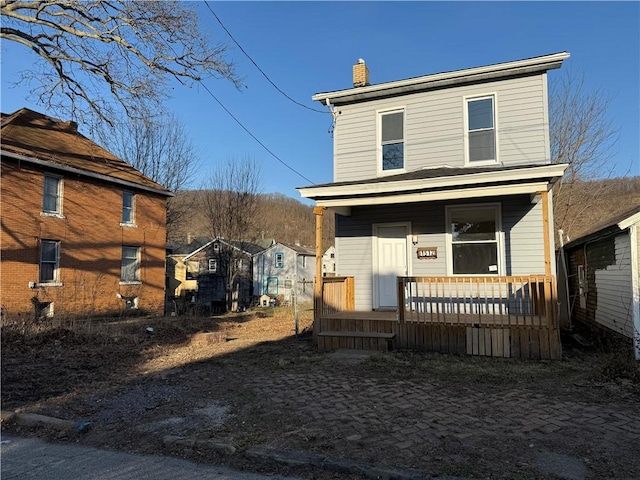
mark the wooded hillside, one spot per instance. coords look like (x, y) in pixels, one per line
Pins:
(278, 217)
(580, 206)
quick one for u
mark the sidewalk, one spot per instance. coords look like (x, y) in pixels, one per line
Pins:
(30, 458)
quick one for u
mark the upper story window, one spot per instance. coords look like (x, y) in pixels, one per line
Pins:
(128, 199)
(193, 268)
(213, 265)
(130, 270)
(279, 260)
(391, 140)
(52, 197)
(480, 129)
(473, 236)
(49, 261)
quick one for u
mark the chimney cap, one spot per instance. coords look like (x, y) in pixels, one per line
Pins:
(361, 61)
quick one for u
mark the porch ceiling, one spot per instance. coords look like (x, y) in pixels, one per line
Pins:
(435, 184)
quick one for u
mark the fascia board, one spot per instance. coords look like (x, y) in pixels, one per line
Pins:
(529, 65)
(556, 170)
(476, 192)
(629, 221)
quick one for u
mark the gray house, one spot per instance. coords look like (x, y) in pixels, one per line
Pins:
(443, 212)
(283, 270)
(603, 270)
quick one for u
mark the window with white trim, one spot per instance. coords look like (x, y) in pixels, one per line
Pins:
(473, 236)
(279, 261)
(52, 196)
(130, 269)
(481, 132)
(391, 140)
(128, 199)
(213, 265)
(49, 261)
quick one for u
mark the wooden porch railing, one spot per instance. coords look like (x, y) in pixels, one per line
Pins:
(337, 295)
(480, 301)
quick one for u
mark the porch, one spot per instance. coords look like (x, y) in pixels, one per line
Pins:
(508, 316)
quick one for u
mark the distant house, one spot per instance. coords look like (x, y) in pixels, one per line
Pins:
(283, 270)
(329, 262)
(216, 274)
(83, 232)
(603, 268)
(182, 277)
(441, 189)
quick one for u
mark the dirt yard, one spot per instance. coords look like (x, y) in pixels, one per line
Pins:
(247, 380)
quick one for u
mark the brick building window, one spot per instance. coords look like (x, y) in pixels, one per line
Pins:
(128, 199)
(130, 271)
(52, 197)
(49, 261)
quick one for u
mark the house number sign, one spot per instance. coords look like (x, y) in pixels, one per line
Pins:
(427, 253)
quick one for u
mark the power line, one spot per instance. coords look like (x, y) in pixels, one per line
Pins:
(241, 124)
(253, 136)
(256, 65)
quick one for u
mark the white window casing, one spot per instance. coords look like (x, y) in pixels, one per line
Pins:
(391, 141)
(481, 145)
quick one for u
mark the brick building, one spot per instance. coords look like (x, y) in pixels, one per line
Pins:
(83, 232)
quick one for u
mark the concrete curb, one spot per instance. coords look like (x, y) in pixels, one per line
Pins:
(338, 465)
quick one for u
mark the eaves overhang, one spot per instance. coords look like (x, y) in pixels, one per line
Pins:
(514, 181)
(498, 71)
(85, 173)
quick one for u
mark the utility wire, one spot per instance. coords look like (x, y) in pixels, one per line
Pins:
(240, 123)
(256, 65)
(253, 136)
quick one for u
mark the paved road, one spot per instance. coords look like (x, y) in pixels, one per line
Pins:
(30, 458)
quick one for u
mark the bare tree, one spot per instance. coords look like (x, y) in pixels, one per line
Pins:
(161, 148)
(99, 57)
(582, 135)
(228, 203)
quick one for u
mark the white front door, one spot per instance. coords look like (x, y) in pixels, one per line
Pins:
(390, 263)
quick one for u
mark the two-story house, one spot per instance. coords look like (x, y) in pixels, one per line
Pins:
(284, 271)
(443, 212)
(83, 232)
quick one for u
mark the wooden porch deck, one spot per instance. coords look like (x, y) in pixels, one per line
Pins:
(489, 331)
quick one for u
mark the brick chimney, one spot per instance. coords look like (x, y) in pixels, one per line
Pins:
(360, 74)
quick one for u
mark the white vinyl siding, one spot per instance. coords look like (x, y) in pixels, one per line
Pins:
(434, 128)
(613, 289)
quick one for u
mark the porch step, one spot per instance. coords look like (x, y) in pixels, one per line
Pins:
(333, 340)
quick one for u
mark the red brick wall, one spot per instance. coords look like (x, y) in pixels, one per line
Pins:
(91, 241)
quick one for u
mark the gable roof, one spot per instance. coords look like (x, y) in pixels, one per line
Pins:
(33, 137)
(243, 247)
(497, 71)
(615, 224)
(298, 249)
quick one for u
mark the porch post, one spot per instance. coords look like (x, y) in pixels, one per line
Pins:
(545, 232)
(317, 284)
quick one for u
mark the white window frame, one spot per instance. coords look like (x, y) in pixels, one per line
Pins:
(466, 100)
(58, 210)
(379, 115)
(213, 265)
(132, 221)
(278, 260)
(136, 279)
(56, 263)
(499, 240)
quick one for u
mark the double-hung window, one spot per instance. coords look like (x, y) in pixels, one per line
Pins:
(213, 265)
(474, 239)
(128, 199)
(481, 130)
(49, 261)
(52, 197)
(279, 260)
(130, 271)
(392, 140)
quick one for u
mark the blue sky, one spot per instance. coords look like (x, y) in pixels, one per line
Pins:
(310, 47)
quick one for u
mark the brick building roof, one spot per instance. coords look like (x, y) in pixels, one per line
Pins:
(40, 137)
